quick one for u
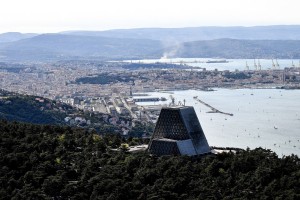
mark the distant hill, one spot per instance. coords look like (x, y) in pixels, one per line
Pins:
(171, 35)
(231, 48)
(58, 47)
(15, 36)
(241, 42)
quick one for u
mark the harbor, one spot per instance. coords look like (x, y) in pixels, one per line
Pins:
(227, 64)
(267, 118)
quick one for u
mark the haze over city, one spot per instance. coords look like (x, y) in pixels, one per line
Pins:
(35, 16)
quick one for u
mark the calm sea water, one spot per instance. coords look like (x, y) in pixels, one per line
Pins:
(268, 118)
(232, 64)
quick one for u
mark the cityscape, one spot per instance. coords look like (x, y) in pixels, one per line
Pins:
(62, 82)
(149, 100)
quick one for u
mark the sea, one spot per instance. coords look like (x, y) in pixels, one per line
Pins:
(231, 64)
(267, 118)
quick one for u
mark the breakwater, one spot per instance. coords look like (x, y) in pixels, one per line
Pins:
(213, 110)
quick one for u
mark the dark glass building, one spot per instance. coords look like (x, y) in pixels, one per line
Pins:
(178, 132)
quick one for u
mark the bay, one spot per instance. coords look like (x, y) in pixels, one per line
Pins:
(231, 65)
(267, 118)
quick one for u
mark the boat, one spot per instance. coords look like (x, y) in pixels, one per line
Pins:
(275, 127)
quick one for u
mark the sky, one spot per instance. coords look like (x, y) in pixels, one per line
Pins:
(48, 16)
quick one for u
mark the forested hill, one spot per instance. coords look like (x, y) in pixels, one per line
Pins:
(15, 36)
(53, 47)
(39, 110)
(51, 162)
(232, 48)
(60, 47)
(32, 109)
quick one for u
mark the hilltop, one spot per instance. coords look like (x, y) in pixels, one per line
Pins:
(52, 162)
(15, 36)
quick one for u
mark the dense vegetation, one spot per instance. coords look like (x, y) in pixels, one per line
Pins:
(12, 67)
(236, 75)
(38, 110)
(104, 78)
(51, 162)
(33, 109)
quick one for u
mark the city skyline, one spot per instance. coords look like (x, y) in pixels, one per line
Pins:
(55, 16)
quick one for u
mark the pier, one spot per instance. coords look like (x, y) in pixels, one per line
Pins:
(213, 110)
(146, 99)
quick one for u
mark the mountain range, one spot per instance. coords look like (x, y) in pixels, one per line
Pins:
(59, 46)
(169, 35)
(15, 36)
(225, 42)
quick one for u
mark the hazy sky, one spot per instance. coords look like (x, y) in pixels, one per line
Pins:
(59, 15)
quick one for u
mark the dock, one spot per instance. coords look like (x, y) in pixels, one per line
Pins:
(213, 110)
(146, 99)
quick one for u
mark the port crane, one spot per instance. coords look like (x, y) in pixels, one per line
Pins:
(273, 64)
(247, 66)
(172, 101)
(258, 65)
(293, 64)
(180, 103)
(277, 65)
(255, 65)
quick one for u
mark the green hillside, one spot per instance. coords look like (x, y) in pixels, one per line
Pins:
(38, 110)
(51, 162)
(33, 110)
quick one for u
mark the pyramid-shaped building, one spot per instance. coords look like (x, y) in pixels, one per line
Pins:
(178, 132)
